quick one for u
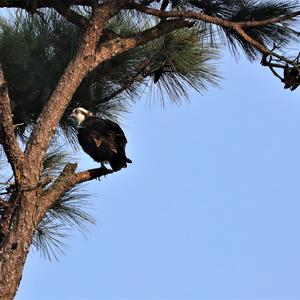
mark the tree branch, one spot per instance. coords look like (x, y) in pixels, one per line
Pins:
(236, 26)
(12, 150)
(210, 19)
(254, 23)
(117, 46)
(67, 180)
(79, 20)
(261, 47)
(70, 15)
(181, 14)
(39, 4)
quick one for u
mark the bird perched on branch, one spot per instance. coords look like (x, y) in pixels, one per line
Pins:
(291, 77)
(101, 139)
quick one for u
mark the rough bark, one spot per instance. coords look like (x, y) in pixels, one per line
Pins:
(16, 242)
(17, 221)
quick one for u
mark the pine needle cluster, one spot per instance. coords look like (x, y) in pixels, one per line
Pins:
(69, 212)
(34, 51)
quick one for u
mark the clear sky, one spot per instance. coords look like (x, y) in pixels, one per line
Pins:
(209, 209)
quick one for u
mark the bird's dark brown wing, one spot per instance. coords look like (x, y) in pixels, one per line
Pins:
(110, 131)
(104, 140)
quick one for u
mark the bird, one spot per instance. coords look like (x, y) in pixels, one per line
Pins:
(291, 77)
(102, 139)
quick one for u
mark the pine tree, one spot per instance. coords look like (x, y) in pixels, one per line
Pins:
(103, 55)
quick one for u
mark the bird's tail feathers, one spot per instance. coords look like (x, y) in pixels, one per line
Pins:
(118, 162)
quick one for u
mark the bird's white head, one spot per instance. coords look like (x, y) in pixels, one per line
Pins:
(80, 114)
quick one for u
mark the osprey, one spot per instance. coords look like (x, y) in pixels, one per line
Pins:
(101, 139)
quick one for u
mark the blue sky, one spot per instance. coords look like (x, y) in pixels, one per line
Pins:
(209, 209)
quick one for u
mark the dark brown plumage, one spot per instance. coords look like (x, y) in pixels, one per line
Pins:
(102, 139)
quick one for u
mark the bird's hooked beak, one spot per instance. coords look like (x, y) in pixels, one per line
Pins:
(73, 115)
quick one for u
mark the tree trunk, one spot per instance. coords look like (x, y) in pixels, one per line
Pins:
(17, 234)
